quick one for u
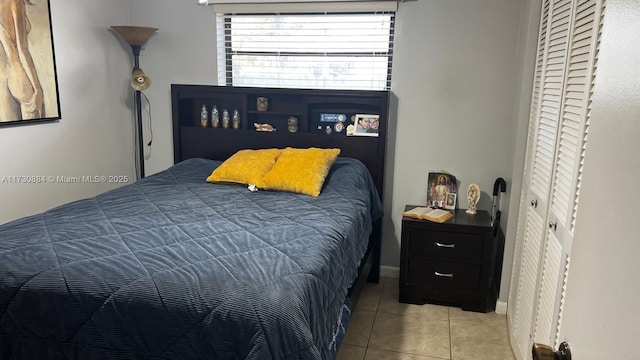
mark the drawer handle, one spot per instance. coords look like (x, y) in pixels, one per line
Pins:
(450, 276)
(450, 246)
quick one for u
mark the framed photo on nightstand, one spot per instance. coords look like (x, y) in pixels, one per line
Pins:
(450, 204)
(440, 186)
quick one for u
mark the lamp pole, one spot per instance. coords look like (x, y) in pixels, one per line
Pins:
(138, 106)
(136, 36)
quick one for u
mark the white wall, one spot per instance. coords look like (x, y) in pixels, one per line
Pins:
(94, 134)
(182, 52)
(602, 304)
(455, 75)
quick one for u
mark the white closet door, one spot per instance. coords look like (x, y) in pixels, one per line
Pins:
(570, 152)
(557, 137)
(523, 293)
(542, 175)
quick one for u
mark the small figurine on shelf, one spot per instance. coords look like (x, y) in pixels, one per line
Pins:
(292, 124)
(236, 119)
(264, 127)
(262, 103)
(225, 119)
(204, 116)
(215, 117)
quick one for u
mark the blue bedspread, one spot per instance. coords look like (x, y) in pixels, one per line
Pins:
(174, 268)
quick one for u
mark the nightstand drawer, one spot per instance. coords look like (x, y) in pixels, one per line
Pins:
(445, 245)
(443, 274)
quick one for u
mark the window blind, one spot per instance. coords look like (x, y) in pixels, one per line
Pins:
(289, 6)
(321, 51)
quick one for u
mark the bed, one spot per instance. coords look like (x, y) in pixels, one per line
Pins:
(173, 267)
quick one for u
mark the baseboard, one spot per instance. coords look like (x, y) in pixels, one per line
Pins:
(501, 307)
(390, 272)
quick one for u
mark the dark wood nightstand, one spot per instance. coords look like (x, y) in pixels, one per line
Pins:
(452, 263)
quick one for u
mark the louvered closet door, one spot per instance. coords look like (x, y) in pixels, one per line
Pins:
(570, 152)
(557, 136)
(536, 181)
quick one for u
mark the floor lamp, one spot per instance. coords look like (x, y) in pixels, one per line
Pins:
(136, 37)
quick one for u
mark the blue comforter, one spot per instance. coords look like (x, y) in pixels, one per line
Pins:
(174, 268)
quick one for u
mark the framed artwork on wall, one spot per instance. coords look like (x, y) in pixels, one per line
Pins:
(29, 87)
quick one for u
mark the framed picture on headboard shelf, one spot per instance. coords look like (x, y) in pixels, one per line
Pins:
(366, 125)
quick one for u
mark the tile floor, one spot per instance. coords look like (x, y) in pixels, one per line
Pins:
(381, 328)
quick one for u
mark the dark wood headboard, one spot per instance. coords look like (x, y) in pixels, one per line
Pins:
(190, 139)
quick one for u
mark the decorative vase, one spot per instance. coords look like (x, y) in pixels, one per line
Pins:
(204, 116)
(236, 119)
(215, 117)
(225, 119)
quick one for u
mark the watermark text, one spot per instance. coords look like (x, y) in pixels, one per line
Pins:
(64, 179)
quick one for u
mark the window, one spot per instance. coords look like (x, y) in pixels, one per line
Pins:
(321, 51)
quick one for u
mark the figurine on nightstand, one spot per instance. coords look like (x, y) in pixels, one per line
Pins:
(473, 195)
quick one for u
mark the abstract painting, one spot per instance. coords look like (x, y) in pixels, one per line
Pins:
(28, 80)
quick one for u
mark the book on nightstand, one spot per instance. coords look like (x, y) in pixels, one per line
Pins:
(427, 213)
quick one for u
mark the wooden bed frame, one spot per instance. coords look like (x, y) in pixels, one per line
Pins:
(191, 140)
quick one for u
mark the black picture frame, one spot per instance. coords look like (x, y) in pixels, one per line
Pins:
(31, 93)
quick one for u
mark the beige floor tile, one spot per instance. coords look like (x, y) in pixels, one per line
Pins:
(417, 334)
(375, 354)
(493, 319)
(471, 341)
(350, 352)
(359, 328)
(370, 296)
(395, 331)
(389, 303)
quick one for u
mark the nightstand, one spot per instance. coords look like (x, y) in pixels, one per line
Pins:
(453, 263)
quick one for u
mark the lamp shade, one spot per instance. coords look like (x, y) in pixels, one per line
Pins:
(135, 35)
(139, 81)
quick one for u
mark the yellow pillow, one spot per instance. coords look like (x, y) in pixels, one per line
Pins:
(245, 167)
(300, 170)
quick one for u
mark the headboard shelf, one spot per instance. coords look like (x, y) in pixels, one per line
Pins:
(306, 105)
